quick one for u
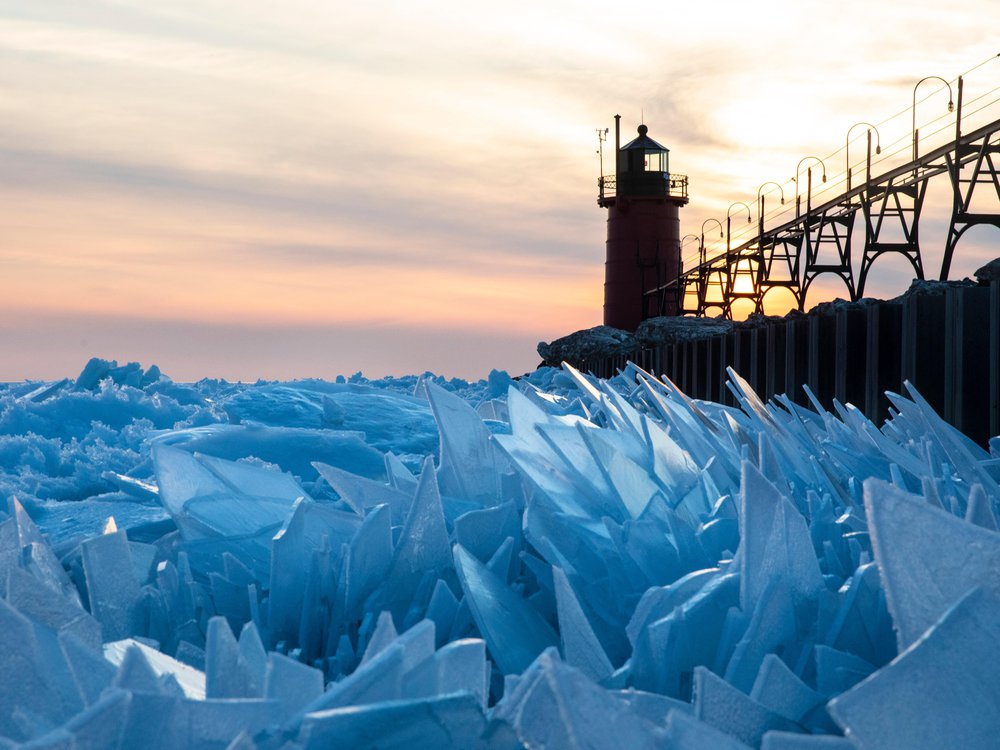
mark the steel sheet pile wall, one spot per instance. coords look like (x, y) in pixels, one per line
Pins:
(947, 345)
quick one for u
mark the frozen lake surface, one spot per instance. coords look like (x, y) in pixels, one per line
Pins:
(552, 562)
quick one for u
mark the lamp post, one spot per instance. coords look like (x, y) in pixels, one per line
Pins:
(729, 217)
(683, 240)
(680, 257)
(913, 109)
(868, 161)
(701, 257)
(760, 202)
(798, 198)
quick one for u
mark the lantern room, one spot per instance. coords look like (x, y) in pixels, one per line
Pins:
(643, 167)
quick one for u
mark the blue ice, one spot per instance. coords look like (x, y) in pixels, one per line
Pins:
(555, 561)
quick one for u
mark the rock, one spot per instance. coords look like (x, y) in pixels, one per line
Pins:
(834, 306)
(672, 330)
(590, 343)
(989, 272)
(932, 288)
(759, 320)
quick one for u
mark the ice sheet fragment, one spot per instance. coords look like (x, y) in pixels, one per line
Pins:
(774, 541)
(471, 465)
(580, 646)
(556, 706)
(482, 532)
(427, 724)
(792, 741)
(724, 707)
(941, 692)
(423, 547)
(114, 594)
(980, 509)
(668, 650)
(91, 672)
(778, 689)
(224, 506)
(515, 633)
(836, 671)
(293, 550)
(928, 558)
(227, 674)
(192, 681)
(103, 723)
(772, 627)
(458, 667)
(50, 608)
(382, 637)
(685, 732)
(362, 493)
(291, 683)
(22, 545)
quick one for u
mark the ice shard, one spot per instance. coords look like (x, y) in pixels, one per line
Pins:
(471, 465)
(580, 646)
(556, 706)
(724, 707)
(423, 548)
(115, 598)
(515, 632)
(942, 691)
(928, 558)
(774, 541)
(778, 689)
(793, 741)
(424, 724)
(190, 680)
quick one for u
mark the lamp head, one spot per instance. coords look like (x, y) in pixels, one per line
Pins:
(951, 106)
(824, 177)
(878, 149)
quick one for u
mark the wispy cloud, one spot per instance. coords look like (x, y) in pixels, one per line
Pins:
(405, 164)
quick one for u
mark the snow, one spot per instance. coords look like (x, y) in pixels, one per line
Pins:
(555, 561)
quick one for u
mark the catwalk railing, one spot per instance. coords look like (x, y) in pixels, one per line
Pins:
(674, 186)
(820, 239)
(947, 345)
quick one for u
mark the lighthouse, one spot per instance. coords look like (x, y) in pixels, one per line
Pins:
(643, 247)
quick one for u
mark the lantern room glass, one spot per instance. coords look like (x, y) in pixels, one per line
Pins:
(655, 161)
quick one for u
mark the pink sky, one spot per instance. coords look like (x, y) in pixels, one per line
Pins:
(247, 189)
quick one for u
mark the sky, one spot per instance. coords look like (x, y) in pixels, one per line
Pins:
(249, 189)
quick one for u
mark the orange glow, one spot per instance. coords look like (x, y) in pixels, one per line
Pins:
(313, 166)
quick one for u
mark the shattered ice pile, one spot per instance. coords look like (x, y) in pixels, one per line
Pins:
(88, 440)
(576, 563)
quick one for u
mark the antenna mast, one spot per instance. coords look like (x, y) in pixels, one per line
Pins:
(602, 136)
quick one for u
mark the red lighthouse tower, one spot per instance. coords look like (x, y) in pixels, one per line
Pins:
(642, 199)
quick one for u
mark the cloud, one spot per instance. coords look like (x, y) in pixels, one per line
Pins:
(420, 164)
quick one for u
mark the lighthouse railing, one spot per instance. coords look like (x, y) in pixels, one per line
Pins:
(675, 186)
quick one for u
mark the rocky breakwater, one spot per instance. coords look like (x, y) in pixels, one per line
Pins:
(600, 342)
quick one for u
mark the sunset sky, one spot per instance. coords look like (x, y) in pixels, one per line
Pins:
(244, 189)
